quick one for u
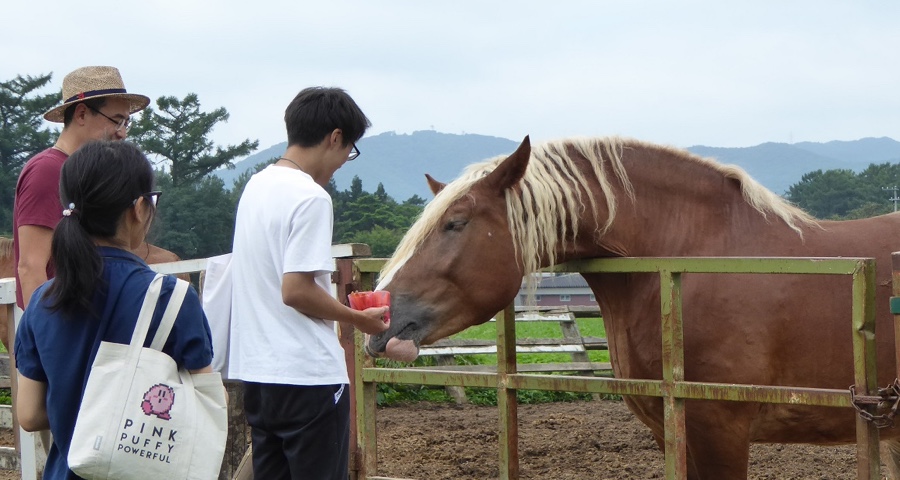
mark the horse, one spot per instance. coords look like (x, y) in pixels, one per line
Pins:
(464, 260)
(148, 252)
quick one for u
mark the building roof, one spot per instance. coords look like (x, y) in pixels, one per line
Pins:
(565, 280)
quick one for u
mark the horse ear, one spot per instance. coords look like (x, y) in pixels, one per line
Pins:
(434, 185)
(511, 170)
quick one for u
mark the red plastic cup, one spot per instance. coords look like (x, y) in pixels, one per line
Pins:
(364, 300)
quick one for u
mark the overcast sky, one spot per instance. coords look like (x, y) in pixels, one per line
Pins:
(726, 74)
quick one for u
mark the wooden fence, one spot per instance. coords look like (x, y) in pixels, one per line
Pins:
(672, 388)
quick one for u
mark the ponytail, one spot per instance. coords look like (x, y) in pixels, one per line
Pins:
(78, 266)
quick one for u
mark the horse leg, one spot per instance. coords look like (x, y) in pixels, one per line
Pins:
(718, 435)
(890, 456)
(718, 440)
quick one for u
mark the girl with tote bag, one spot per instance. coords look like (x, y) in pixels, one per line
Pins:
(100, 294)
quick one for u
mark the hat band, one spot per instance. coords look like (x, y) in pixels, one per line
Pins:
(94, 93)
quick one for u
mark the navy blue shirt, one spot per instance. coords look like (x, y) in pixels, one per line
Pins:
(58, 349)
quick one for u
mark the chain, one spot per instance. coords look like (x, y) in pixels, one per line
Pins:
(889, 395)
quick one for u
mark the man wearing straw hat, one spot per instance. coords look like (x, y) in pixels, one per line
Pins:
(95, 106)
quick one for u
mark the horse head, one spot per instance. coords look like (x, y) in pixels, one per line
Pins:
(457, 266)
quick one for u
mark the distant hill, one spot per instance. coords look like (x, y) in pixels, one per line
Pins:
(780, 165)
(400, 161)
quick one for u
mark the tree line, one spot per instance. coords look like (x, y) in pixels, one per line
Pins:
(845, 194)
(196, 216)
(197, 209)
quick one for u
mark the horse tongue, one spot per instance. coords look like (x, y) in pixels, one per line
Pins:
(401, 350)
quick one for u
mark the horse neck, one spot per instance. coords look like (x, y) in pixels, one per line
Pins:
(679, 208)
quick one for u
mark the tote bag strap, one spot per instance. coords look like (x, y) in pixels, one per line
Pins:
(146, 313)
(168, 319)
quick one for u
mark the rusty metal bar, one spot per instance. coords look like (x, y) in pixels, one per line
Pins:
(864, 363)
(687, 390)
(773, 265)
(366, 403)
(506, 395)
(425, 376)
(673, 373)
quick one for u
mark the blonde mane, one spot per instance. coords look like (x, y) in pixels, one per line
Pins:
(6, 247)
(550, 193)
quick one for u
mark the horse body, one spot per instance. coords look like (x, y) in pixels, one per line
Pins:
(463, 261)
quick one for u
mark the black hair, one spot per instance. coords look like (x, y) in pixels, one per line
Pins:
(97, 185)
(91, 103)
(317, 111)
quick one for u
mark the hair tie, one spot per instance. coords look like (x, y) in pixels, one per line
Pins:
(69, 211)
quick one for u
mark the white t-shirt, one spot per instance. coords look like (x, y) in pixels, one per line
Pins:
(284, 224)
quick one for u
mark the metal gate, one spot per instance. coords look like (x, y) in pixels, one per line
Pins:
(359, 274)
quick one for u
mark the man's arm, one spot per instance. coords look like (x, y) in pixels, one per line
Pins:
(34, 254)
(300, 291)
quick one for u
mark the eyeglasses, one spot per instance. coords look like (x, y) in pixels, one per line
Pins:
(152, 197)
(123, 124)
(354, 152)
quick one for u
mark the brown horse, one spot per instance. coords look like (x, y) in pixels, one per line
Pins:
(464, 260)
(149, 253)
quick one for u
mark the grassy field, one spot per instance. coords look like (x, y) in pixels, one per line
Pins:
(389, 394)
(588, 327)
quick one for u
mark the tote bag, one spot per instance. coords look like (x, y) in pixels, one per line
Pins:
(141, 417)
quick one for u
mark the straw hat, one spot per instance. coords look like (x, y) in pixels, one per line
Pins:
(94, 82)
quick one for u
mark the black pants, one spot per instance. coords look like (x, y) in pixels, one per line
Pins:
(299, 432)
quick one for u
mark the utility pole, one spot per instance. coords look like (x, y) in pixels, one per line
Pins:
(894, 197)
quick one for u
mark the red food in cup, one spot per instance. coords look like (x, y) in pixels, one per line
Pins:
(364, 300)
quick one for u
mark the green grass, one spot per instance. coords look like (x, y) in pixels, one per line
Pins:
(392, 394)
(5, 395)
(588, 327)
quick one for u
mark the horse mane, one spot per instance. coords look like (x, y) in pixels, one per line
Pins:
(6, 247)
(550, 193)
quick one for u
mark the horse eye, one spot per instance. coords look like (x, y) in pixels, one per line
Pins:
(455, 225)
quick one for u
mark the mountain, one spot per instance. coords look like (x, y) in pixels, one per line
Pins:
(775, 165)
(780, 165)
(400, 161)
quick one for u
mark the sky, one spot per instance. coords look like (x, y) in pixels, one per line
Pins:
(685, 73)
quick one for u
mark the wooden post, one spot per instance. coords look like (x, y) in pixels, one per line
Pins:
(345, 280)
(570, 332)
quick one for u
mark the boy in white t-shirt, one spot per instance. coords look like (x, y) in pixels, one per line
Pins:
(283, 343)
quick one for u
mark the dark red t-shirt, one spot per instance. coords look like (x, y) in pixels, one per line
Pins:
(37, 201)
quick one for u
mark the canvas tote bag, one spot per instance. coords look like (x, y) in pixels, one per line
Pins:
(141, 417)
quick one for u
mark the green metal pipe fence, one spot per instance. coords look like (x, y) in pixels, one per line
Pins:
(360, 274)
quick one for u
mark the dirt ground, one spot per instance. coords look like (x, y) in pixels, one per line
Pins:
(561, 441)
(597, 440)
(8, 440)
